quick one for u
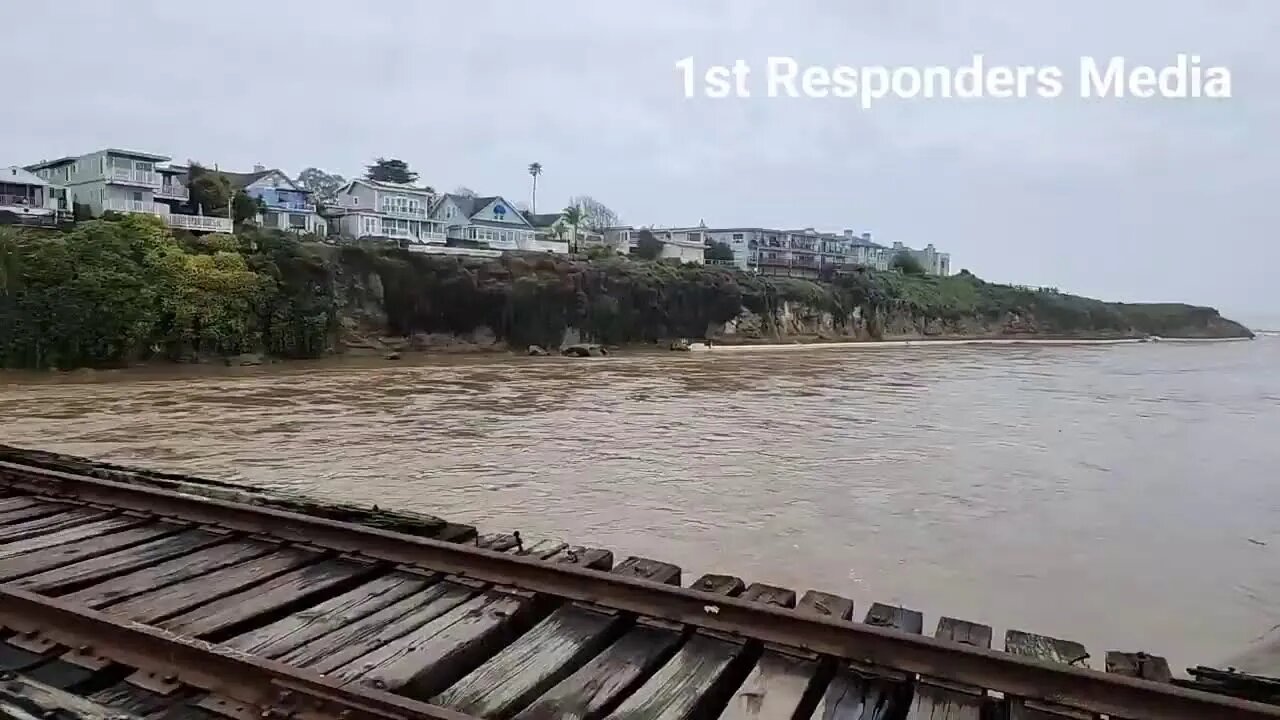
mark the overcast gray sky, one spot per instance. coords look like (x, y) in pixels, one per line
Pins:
(1121, 199)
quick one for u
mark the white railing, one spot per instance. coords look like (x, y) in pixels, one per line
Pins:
(22, 200)
(135, 206)
(430, 238)
(466, 251)
(139, 177)
(174, 190)
(203, 223)
(404, 212)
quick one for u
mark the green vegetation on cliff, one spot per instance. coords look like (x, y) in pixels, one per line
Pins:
(113, 292)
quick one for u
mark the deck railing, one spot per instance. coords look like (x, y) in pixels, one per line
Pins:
(139, 177)
(199, 223)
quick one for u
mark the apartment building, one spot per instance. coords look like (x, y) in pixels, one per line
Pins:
(125, 181)
(807, 252)
(934, 262)
(799, 253)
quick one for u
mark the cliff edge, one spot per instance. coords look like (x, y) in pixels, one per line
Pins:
(113, 292)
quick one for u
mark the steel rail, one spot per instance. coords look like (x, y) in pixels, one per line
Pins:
(263, 684)
(1090, 690)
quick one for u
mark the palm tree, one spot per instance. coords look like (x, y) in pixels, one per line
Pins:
(535, 169)
(573, 216)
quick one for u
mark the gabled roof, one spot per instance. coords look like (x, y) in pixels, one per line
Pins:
(542, 220)
(18, 176)
(470, 204)
(243, 180)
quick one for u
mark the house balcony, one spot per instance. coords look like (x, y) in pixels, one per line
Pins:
(135, 206)
(425, 237)
(291, 207)
(395, 212)
(198, 223)
(125, 176)
(173, 191)
(24, 203)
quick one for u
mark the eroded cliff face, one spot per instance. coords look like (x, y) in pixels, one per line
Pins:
(436, 306)
(796, 321)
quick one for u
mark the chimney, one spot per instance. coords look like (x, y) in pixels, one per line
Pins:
(259, 168)
(848, 233)
(866, 236)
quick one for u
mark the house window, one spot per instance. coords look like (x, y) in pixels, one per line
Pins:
(297, 221)
(355, 200)
(737, 236)
(448, 212)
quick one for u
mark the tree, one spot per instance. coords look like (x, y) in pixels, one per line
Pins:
(595, 214)
(323, 186)
(648, 247)
(535, 169)
(390, 170)
(245, 207)
(557, 230)
(718, 251)
(210, 190)
(573, 216)
(907, 264)
(464, 191)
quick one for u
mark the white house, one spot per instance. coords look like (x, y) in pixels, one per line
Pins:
(31, 196)
(688, 245)
(124, 181)
(395, 211)
(550, 232)
(484, 222)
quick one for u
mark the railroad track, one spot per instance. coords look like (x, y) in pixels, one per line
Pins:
(128, 599)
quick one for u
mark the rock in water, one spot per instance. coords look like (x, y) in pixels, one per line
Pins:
(681, 345)
(583, 350)
(538, 350)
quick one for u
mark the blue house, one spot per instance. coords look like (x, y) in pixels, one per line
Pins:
(287, 206)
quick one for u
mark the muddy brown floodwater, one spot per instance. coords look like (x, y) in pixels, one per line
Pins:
(1123, 496)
